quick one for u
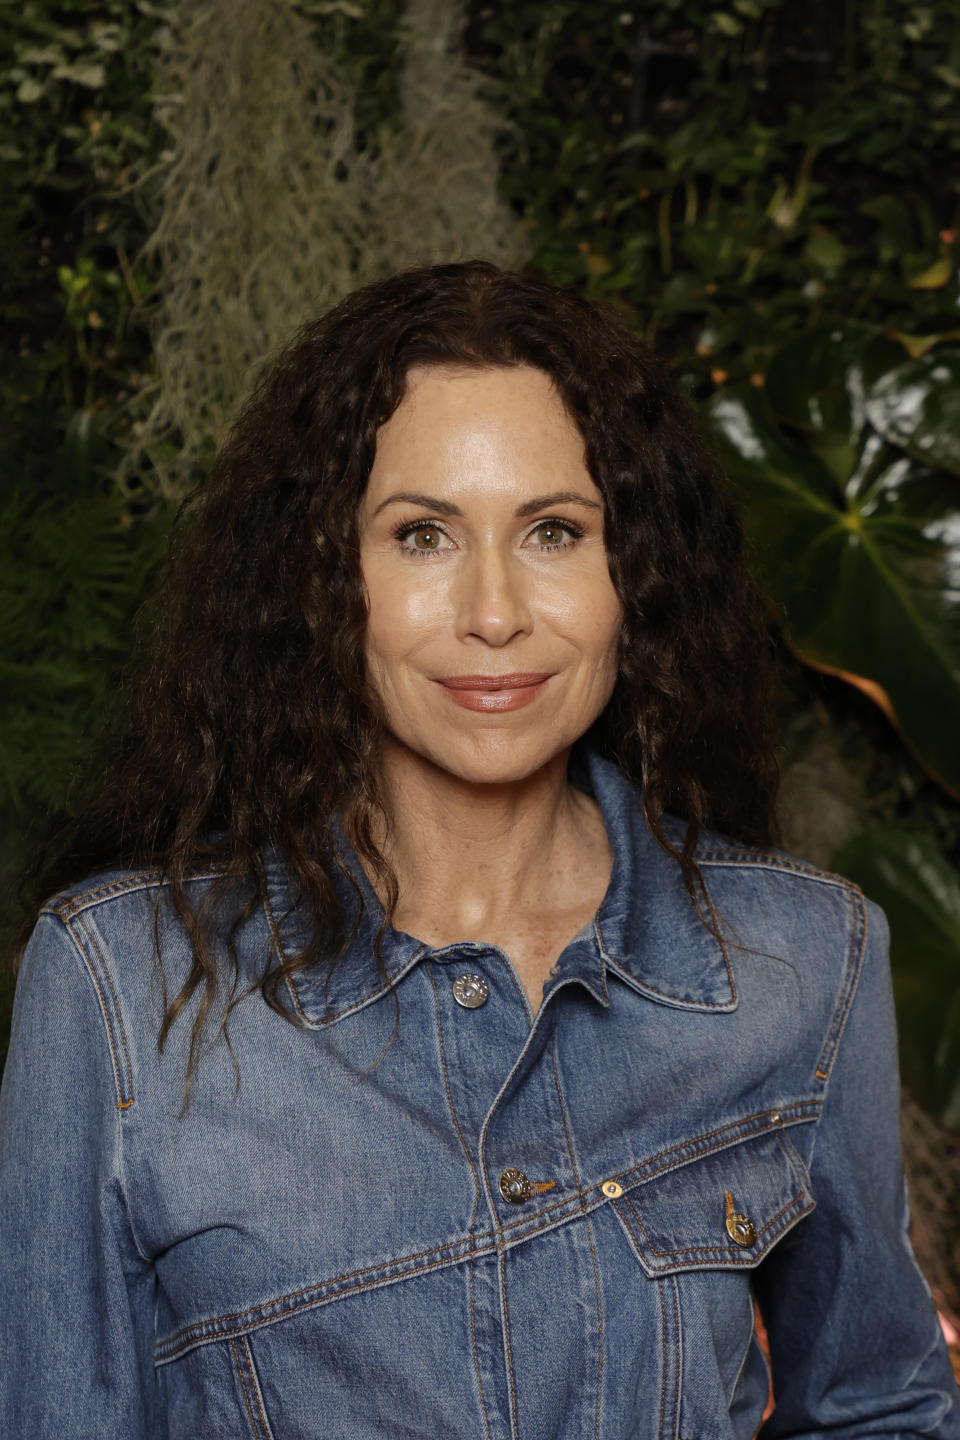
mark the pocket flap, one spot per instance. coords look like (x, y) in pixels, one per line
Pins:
(721, 1211)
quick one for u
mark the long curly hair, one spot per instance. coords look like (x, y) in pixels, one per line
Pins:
(250, 726)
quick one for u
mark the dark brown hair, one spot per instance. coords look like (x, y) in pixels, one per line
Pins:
(250, 724)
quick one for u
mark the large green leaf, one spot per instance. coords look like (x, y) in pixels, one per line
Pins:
(819, 383)
(857, 542)
(917, 406)
(920, 892)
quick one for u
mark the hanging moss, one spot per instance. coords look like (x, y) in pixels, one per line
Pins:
(269, 208)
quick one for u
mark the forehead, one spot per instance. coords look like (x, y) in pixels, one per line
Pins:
(463, 426)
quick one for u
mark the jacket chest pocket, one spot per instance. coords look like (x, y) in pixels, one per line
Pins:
(698, 1230)
(721, 1210)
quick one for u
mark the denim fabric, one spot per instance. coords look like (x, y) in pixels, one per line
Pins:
(324, 1251)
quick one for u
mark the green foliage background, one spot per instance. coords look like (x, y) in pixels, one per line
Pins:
(734, 175)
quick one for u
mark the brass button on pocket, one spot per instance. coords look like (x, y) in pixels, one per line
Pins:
(739, 1227)
(611, 1189)
(514, 1186)
(471, 991)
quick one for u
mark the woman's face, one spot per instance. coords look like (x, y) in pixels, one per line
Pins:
(493, 622)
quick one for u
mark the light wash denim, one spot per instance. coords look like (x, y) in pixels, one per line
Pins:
(326, 1251)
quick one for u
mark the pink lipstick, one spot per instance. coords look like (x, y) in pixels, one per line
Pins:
(495, 693)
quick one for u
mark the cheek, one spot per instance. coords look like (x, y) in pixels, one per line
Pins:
(589, 613)
(401, 614)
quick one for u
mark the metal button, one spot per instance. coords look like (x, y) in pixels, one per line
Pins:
(739, 1228)
(611, 1189)
(775, 1117)
(514, 1186)
(471, 991)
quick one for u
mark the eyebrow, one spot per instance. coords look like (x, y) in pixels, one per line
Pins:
(529, 507)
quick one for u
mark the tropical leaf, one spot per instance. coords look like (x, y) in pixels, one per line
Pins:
(917, 406)
(857, 542)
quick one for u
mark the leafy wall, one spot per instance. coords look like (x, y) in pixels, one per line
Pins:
(768, 192)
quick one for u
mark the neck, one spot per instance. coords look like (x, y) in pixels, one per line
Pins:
(473, 853)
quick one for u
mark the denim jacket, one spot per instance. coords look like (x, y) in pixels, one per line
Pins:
(427, 1212)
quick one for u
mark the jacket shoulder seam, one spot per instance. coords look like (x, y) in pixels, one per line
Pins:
(126, 884)
(99, 972)
(767, 860)
(851, 978)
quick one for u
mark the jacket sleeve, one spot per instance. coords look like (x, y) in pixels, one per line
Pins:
(855, 1342)
(77, 1297)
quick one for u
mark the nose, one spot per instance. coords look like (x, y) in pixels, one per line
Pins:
(492, 598)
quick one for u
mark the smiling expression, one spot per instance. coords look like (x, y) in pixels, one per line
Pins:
(492, 620)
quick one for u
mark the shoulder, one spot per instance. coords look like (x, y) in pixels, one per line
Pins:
(115, 923)
(121, 891)
(757, 877)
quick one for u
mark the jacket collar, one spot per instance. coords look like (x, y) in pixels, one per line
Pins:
(646, 932)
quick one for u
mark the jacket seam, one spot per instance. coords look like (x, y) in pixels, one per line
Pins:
(127, 1073)
(188, 1338)
(508, 1347)
(711, 1149)
(192, 1341)
(121, 1105)
(851, 979)
(130, 883)
(254, 1425)
(328, 1284)
(589, 1224)
(767, 861)
(568, 1200)
(476, 1196)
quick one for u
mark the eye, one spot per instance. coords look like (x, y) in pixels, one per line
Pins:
(421, 538)
(555, 534)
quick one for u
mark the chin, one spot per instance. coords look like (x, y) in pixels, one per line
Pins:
(492, 758)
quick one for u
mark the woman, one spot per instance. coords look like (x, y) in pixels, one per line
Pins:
(400, 1053)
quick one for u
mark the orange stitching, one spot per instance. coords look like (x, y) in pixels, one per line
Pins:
(665, 994)
(703, 1004)
(327, 1284)
(731, 1125)
(485, 1245)
(515, 1428)
(116, 1004)
(453, 1113)
(275, 932)
(777, 862)
(676, 1352)
(586, 1216)
(255, 1385)
(255, 1429)
(476, 1354)
(136, 880)
(711, 1149)
(350, 1009)
(106, 1023)
(708, 1249)
(581, 1195)
(537, 1187)
(663, 1351)
(272, 1319)
(547, 1209)
(846, 1002)
(476, 1196)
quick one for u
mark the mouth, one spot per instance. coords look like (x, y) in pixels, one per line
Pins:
(519, 680)
(495, 693)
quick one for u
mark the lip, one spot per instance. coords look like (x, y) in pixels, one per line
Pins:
(495, 693)
(517, 680)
